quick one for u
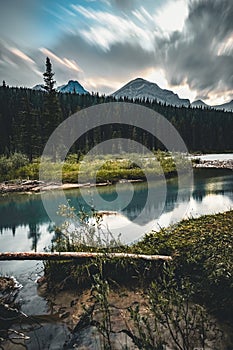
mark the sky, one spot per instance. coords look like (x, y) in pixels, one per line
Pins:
(182, 45)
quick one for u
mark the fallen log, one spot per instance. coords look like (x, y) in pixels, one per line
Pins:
(79, 255)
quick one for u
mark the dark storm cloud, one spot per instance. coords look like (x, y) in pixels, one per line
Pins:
(121, 61)
(202, 54)
(215, 15)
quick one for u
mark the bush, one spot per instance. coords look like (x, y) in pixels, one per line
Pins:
(202, 249)
(10, 165)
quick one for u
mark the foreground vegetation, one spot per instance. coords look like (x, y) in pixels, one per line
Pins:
(108, 168)
(202, 251)
(184, 301)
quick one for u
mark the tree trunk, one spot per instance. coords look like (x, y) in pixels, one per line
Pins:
(78, 255)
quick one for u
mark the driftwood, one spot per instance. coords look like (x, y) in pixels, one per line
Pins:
(78, 255)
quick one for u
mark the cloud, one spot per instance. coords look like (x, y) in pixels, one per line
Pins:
(70, 64)
(21, 55)
(106, 29)
(130, 5)
(188, 42)
(106, 43)
(123, 3)
(122, 61)
(17, 17)
(201, 55)
(171, 17)
(16, 67)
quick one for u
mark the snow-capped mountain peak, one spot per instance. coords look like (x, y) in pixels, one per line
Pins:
(141, 88)
(72, 86)
(199, 103)
(39, 87)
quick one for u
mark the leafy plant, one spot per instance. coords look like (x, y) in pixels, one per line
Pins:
(172, 318)
(10, 165)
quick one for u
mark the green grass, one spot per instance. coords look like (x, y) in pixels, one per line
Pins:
(94, 169)
(201, 249)
(103, 169)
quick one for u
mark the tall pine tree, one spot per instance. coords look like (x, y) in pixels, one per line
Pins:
(48, 77)
(52, 115)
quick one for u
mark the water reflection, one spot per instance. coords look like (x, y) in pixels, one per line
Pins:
(21, 210)
(24, 224)
(211, 181)
(34, 234)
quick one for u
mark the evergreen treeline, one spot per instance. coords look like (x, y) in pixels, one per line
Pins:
(28, 117)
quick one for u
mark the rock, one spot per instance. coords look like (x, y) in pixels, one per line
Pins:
(41, 280)
(216, 164)
(65, 315)
(7, 283)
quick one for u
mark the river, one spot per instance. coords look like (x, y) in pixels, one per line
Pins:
(25, 225)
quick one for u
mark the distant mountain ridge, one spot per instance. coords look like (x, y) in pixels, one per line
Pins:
(199, 103)
(227, 106)
(73, 86)
(141, 88)
(39, 87)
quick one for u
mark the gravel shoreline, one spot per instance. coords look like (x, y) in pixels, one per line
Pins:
(35, 186)
(216, 164)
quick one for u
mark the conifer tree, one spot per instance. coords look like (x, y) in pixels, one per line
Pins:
(48, 76)
(52, 115)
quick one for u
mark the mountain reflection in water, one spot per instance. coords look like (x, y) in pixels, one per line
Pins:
(24, 223)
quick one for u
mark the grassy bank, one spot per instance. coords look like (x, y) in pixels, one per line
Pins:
(180, 300)
(107, 168)
(201, 250)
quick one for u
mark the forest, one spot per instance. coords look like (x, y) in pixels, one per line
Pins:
(28, 117)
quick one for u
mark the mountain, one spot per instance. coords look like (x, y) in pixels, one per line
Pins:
(141, 88)
(227, 106)
(199, 103)
(39, 87)
(73, 86)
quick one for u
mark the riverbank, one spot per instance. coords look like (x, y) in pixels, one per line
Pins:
(81, 296)
(35, 186)
(104, 172)
(214, 164)
(101, 170)
(202, 262)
